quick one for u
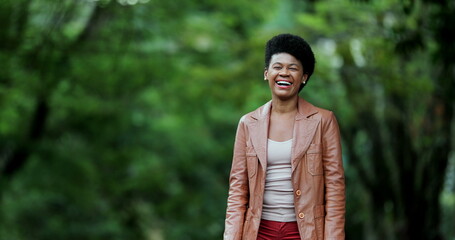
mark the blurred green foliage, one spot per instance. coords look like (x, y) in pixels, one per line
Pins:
(117, 118)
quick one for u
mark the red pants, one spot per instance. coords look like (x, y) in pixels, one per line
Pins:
(271, 230)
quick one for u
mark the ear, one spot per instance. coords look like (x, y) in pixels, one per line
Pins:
(265, 73)
(304, 77)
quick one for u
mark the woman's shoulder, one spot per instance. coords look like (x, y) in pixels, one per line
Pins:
(311, 111)
(260, 112)
(325, 113)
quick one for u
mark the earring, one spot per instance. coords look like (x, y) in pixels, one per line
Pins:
(265, 79)
(304, 82)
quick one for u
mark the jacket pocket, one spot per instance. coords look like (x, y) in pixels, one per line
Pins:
(319, 217)
(314, 159)
(251, 162)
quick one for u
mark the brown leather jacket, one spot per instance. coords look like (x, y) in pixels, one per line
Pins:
(317, 175)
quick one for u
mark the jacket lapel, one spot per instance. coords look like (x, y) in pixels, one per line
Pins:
(259, 132)
(304, 130)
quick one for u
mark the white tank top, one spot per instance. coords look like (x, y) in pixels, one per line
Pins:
(278, 193)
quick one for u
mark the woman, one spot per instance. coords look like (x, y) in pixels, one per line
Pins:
(287, 177)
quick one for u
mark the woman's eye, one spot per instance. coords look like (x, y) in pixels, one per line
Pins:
(277, 68)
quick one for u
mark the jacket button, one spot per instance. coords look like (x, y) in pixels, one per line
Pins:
(298, 192)
(301, 215)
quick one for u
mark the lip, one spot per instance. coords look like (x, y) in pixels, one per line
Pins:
(283, 87)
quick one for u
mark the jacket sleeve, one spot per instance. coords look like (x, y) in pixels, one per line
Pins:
(238, 188)
(335, 199)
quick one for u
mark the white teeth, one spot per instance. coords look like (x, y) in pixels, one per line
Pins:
(283, 83)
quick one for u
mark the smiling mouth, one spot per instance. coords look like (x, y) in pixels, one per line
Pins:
(283, 83)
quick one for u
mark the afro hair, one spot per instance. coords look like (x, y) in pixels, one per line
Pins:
(295, 46)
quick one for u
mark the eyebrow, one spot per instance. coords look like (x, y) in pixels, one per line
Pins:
(295, 64)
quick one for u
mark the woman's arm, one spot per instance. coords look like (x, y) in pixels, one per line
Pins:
(335, 200)
(238, 188)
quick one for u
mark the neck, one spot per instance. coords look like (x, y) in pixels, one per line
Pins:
(285, 106)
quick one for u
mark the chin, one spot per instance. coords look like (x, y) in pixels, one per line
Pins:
(284, 97)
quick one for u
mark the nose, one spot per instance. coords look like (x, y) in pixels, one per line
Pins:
(284, 72)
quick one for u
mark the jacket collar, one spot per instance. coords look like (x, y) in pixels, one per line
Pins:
(304, 110)
(304, 130)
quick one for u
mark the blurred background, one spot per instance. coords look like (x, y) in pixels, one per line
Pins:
(117, 117)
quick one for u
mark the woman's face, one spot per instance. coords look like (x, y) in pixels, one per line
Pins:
(284, 74)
